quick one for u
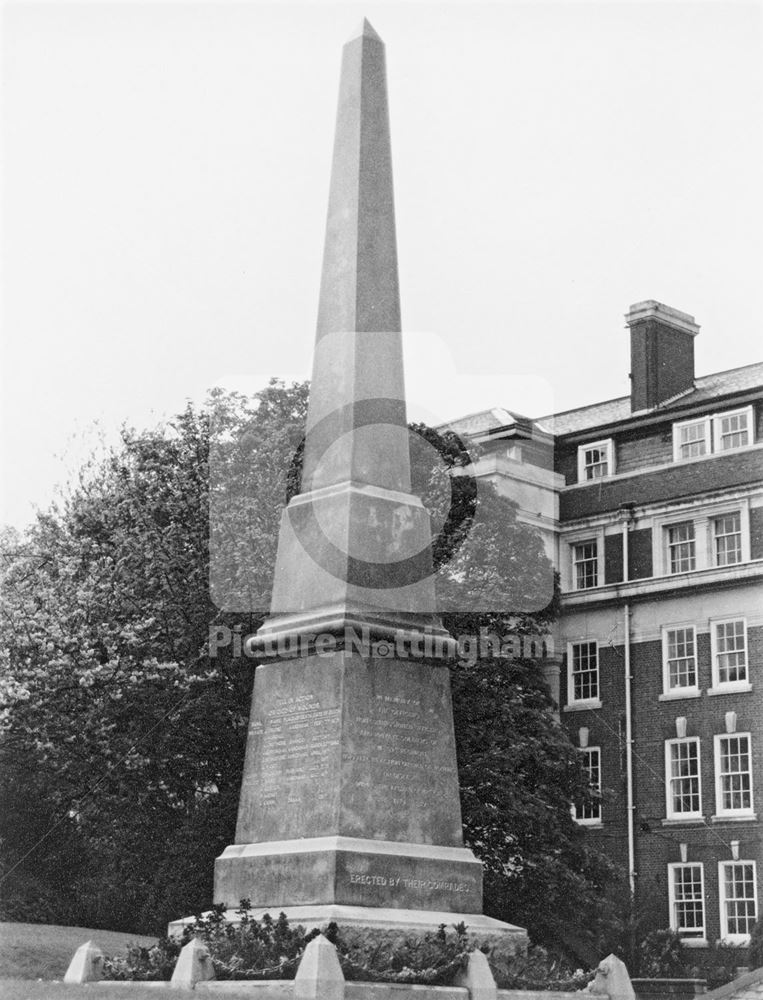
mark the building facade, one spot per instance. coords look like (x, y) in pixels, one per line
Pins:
(651, 507)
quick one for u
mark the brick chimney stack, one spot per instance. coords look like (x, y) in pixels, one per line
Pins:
(662, 353)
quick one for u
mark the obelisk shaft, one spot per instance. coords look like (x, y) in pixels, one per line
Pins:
(359, 282)
(356, 428)
(355, 544)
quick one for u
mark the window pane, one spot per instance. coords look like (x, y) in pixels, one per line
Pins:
(585, 671)
(734, 431)
(731, 652)
(586, 565)
(592, 764)
(735, 776)
(682, 659)
(595, 462)
(689, 910)
(681, 547)
(692, 440)
(684, 777)
(739, 897)
(728, 539)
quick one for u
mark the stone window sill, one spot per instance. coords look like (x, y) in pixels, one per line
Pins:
(735, 818)
(582, 706)
(679, 695)
(730, 689)
(683, 821)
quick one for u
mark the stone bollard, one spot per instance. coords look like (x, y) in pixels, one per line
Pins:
(319, 975)
(194, 965)
(86, 966)
(611, 980)
(477, 977)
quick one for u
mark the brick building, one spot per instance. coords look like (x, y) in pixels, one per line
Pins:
(651, 507)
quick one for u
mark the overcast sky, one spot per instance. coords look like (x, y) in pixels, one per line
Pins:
(165, 181)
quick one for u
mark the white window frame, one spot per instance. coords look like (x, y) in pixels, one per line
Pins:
(597, 819)
(670, 812)
(687, 939)
(738, 939)
(607, 446)
(703, 519)
(714, 537)
(718, 419)
(707, 425)
(593, 533)
(712, 424)
(722, 687)
(667, 529)
(747, 812)
(596, 559)
(690, 691)
(572, 701)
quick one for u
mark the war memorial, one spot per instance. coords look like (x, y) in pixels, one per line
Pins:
(349, 808)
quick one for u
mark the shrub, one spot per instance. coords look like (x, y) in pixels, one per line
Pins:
(272, 949)
(756, 945)
(144, 963)
(251, 949)
(721, 962)
(539, 970)
(661, 955)
(433, 959)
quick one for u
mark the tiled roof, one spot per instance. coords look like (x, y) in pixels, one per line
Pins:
(484, 421)
(706, 388)
(586, 416)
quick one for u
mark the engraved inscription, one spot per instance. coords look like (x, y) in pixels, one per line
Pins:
(400, 742)
(298, 738)
(394, 881)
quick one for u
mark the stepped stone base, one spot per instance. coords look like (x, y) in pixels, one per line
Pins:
(350, 871)
(360, 924)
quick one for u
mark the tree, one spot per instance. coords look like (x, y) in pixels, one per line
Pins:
(127, 735)
(122, 738)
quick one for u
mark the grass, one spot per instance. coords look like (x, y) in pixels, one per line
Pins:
(31, 955)
(43, 951)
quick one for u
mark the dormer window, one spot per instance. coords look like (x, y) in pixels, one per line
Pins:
(691, 439)
(596, 460)
(712, 434)
(733, 430)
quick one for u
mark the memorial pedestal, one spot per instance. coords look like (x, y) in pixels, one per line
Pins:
(350, 872)
(350, 790)
(349, 807)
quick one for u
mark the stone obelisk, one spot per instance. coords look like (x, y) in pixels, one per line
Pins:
(349, 806)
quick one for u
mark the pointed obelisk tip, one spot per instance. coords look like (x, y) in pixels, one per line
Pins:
(366, 30)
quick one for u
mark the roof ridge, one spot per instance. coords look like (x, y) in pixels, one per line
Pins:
(727, 371)
(619, 399)
(586, 406)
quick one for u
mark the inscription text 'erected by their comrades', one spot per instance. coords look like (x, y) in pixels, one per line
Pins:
(403, 882)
